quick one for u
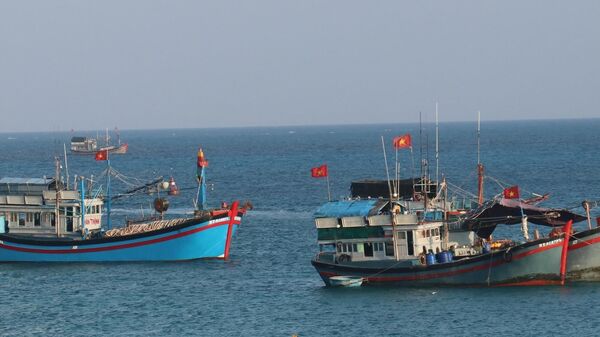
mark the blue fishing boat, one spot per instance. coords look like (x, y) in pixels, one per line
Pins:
(42, 220)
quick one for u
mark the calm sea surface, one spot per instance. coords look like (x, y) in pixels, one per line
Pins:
(269, 288)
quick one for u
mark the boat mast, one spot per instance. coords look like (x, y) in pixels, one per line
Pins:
(82, 194)
(387, 170)
(108, 173)
(480, 168)
(444, 187)
(57, 201)
(437, 149)
(66, 165)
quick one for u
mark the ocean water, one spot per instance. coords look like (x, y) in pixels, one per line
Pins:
(269, 288)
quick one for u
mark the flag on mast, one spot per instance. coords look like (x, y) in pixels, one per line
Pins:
(102, 155)
(319, 172)
(511, 192)
(403, 142)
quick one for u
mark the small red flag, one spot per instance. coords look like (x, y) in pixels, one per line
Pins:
(403, 142)
(202, 162)
(102, 155)
(511, 192)
(319, 172)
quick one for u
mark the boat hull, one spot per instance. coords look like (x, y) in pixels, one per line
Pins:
(121, 149)
(533, 263)
(194, 239)
(583, 263)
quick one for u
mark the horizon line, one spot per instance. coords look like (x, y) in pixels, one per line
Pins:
(307, 125)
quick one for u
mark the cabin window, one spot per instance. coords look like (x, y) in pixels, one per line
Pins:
(355, 247)
(437, 232)
(13, 217)
(428, 233)
(402, 235)
(37, 219)
(368, 248)
(21, 219)
(380, 246)
(423, 234)
(389, 248)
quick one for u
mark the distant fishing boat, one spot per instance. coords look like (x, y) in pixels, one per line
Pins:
(42, 220)
(89, 146)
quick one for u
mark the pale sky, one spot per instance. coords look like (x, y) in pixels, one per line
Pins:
(172, 64)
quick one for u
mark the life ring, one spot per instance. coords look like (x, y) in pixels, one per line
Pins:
(422, 259)
(344, 258)
(507, 256)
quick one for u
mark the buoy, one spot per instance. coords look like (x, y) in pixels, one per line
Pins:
(173, 189)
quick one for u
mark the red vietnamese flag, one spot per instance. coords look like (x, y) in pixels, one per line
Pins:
(319, 172)
(403, 142)
(511, 192)
(102, 155)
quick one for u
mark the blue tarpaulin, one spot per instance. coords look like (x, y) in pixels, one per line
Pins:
(346, 208)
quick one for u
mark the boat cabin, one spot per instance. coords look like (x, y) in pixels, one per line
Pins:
(29, 206)
(83, 144)
(366, 230)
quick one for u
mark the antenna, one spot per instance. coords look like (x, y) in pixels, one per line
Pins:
(421, 141)
(478, 135)
(480, 169)
(437, 149)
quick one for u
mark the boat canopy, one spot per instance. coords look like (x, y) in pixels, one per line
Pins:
(78, 139)
(348, 208)
(484, 219)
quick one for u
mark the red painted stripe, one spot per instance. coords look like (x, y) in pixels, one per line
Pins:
(232, 213)
(456, 272)
(565, 252)
(581, 244)
(530, 283)
(122, 246)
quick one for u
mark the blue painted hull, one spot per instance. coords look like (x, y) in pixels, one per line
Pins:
(195, 239)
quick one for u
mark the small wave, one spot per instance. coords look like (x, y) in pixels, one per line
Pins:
(280, 214)
(147, 211)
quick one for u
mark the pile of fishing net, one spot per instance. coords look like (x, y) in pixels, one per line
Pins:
(145, 227)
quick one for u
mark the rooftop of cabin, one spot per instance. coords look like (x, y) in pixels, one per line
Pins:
(10, 185)
(350, 208)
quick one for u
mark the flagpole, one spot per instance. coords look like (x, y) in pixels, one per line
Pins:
(108, 224)
(387, 170)
(412, 159)
(397, 179)
(328, 189)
